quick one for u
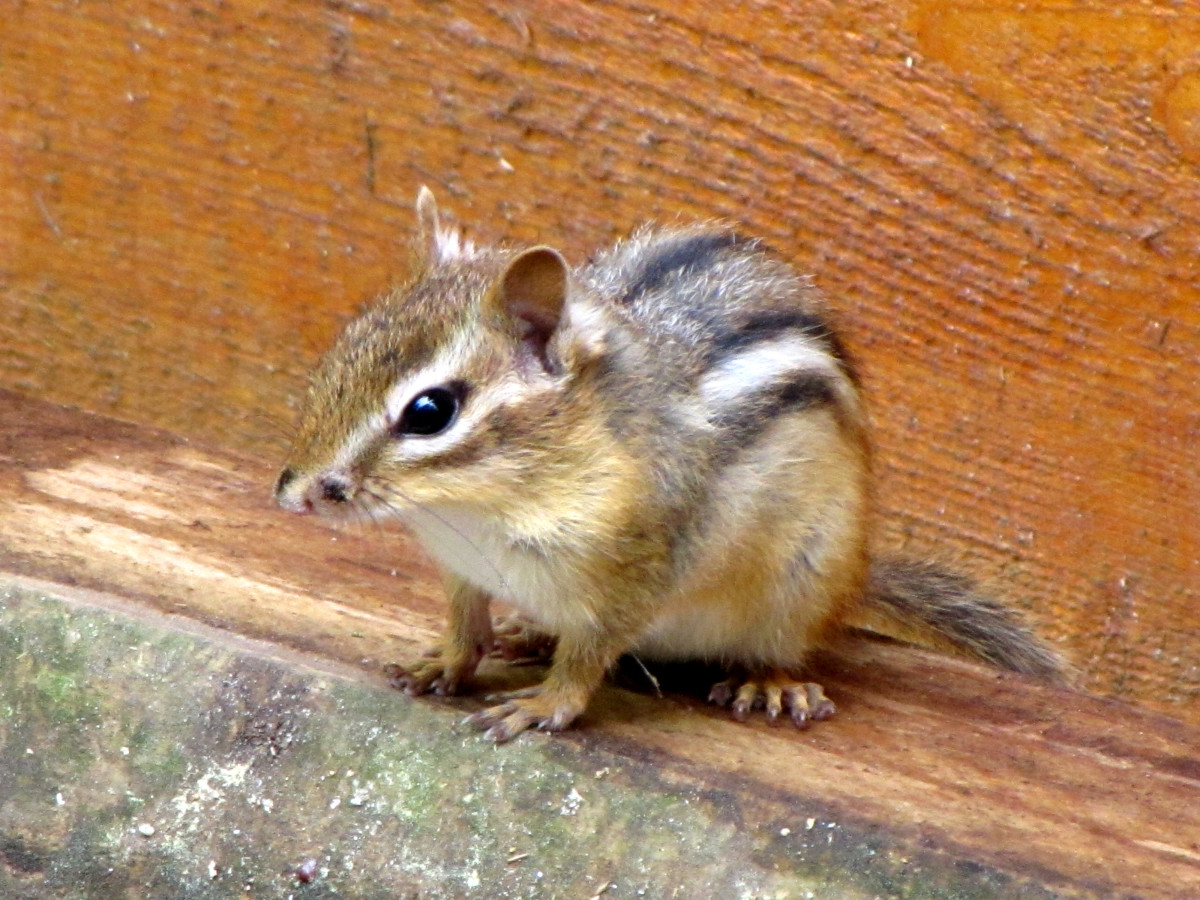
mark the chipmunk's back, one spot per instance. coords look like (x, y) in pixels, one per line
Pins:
(718, 340)
(703, 293)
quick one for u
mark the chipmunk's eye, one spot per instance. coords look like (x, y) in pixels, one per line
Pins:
(430, 412)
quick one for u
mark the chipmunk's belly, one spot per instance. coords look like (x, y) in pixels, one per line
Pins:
(746, 608)
(778, 636)
(709, 634)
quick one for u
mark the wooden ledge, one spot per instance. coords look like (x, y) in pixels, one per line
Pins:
(937, 778)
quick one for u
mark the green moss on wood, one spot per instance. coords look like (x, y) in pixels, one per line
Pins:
(143, 761)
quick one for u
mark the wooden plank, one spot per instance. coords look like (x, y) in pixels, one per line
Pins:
(1001, 197)
(1088, 797)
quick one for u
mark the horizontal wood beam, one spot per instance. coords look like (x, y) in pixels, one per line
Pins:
(936, 772)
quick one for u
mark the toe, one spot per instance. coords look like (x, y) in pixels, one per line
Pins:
(502, 723)
(807, 703)
(521, 694)
(520, 641)
(533, 709)
(776, 693)
(820, 707)
(490, 717)
(744, 702)
(721, 693)
(395, 675)
(773, 704)
(411, 681)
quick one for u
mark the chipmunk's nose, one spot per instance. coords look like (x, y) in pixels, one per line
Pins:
(336, 488)
(300, 493)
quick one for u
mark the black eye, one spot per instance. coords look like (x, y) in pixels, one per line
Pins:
(430, 412)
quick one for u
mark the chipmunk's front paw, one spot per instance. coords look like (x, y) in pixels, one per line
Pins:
(530, 708)
(437, 673)
(774, 693)
(520, 641)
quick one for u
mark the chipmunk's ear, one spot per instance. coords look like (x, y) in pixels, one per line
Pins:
(428, 227)
(436, 244)
(533, 292)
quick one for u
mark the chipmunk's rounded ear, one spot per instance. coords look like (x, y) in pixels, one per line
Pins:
(532, 292)
(534, 288)
(428, 227)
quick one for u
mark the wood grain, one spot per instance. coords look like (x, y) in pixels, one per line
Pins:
(926, 756)
(1000, 197)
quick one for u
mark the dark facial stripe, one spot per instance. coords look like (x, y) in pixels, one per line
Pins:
(688, 253)
(286, 477)
(744, 424)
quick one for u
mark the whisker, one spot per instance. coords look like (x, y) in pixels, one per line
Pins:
(283, 429)
(371, 511)
(649, 675)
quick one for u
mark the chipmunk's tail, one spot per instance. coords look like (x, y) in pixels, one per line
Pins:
(922, 603)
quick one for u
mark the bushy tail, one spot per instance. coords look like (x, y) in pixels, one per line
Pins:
(925, 604)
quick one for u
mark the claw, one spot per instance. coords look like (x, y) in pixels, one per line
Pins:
(433, 674)
(775, 693)
(520, 711)
(721, 693)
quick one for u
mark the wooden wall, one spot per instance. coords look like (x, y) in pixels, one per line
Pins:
(1002, 198)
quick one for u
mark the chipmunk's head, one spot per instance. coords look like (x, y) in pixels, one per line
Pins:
(445, 391)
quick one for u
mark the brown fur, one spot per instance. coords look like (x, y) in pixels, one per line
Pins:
(660, 452)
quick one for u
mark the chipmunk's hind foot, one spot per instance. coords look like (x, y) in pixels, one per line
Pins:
(776, 692)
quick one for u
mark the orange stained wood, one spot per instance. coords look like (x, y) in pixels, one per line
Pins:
(1001, 198)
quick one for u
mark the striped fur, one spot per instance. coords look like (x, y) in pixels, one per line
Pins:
(660, 451)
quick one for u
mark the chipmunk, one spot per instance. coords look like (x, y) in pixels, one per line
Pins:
(661, 452)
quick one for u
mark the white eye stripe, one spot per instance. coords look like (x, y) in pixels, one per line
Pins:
(375, 425)
(447, 368)
(763, 365)
(479, 404)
